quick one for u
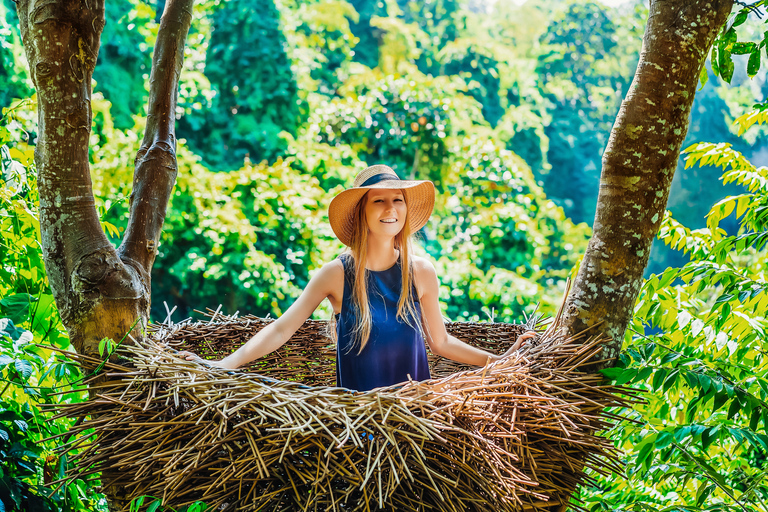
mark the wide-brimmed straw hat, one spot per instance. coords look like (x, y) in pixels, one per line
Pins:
(419, 196)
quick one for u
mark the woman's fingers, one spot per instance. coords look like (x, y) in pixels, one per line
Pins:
(519, 342)
(189, 356)
(522, 339)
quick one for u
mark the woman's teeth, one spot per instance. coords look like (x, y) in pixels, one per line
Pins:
(389, 221)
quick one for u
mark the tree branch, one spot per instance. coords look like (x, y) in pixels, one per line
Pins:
(156, 166)
(639, 164)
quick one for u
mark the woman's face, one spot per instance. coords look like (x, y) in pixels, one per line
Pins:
(385, 211)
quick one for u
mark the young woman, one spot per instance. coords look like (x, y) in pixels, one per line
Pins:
(384, 298)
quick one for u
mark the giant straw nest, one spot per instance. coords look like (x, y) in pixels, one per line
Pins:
(515, 435)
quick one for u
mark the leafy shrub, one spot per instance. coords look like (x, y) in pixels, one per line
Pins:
(256, 109)
(697, 347)
(30, 372)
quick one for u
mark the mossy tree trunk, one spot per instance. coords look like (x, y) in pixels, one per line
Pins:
(639, 164)
(100, 292)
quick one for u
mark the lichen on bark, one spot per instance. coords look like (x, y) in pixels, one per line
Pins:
(638, 165)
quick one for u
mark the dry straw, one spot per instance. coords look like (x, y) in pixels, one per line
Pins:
(515, 435)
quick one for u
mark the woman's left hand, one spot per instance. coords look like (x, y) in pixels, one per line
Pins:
(519, 343)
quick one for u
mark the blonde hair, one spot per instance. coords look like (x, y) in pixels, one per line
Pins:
(406, 307)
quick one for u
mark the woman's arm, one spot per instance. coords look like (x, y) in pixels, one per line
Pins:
(277, 333)
(438, 339)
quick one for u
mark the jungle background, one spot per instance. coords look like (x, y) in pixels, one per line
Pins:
(507, 107)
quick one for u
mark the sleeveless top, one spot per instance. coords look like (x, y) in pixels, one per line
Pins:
(394, 351)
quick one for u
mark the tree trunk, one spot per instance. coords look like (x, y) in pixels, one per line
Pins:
(638, 166)
(100, 292)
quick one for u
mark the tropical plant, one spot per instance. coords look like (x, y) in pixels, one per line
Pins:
(698, 349)
(32, 374)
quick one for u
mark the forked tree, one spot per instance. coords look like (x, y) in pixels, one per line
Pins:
(105, 292)
(100, 292)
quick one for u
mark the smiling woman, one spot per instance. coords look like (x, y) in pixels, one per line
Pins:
(385, 299)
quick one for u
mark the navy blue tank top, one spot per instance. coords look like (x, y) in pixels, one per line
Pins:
(395, 350)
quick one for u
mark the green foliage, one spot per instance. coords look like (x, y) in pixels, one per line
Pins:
(247, 239)
(152, 504)
(404, 122)
(584, 70)
(122, 71)
(13, 77)
(30, 373)
(256, 109)
(499, 242)
(727, 45)
(367, 48)
(697, 349)
(478, 66)
(440, 22)
(320, 44)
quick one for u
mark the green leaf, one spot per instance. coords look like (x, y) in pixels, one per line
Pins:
(663, 440)
(705, 382)
(658, 378)
(733, 409)
(645, 449)
(154, 506)
(690, 379)
(671, 356)
(703, 492)
(715, 68)
(708, 437)
(720, 399)
(740, 18)
(137, 503)
(703, 77)
(24, 368)
(8, 329)
(743, 48)
(62, 465)
(670, 380)
(627, 375)
(643, 374)
(16, 307)
(612, 373)
(753, 65)
(711, 472)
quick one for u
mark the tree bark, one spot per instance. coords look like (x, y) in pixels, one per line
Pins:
(156, 167)
(638, 166)
(99, 291)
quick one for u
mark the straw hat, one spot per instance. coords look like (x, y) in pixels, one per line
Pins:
(419, 196)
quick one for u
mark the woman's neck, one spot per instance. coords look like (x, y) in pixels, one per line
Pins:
(381, 253)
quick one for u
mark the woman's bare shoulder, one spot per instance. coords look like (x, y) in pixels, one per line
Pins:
(424, 275)
(422, 265)
(331, 271)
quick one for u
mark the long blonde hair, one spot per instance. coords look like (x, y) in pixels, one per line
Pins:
(406, 307)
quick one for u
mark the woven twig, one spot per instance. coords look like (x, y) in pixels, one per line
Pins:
(309, 356)
(514, 435)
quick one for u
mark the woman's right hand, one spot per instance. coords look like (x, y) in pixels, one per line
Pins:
(189, 356)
